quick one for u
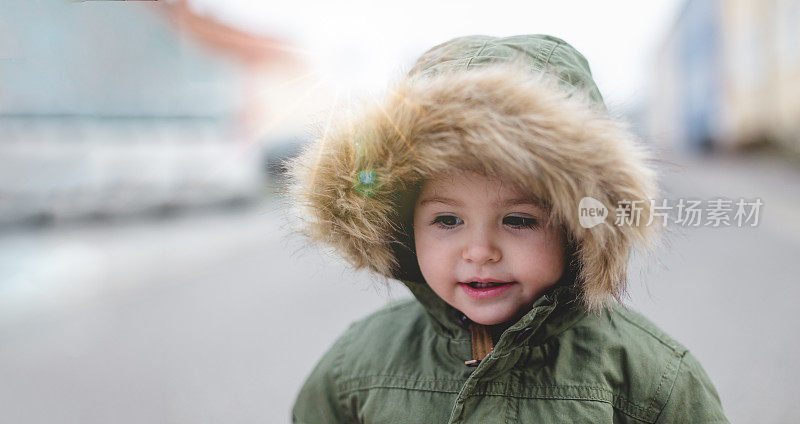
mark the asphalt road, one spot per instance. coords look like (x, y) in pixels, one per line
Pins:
(218, 317)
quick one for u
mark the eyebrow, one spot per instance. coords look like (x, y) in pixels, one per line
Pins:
(508, 202)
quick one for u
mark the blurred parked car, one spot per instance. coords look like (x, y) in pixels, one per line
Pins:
(278, 152)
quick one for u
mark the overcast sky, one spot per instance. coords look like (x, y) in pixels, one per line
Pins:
(362, 45)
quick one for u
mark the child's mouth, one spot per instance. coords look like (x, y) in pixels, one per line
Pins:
(478, 290)
(476, 285)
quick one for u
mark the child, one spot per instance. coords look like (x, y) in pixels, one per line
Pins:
(464, 183)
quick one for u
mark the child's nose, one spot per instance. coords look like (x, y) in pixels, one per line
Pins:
(481, 250)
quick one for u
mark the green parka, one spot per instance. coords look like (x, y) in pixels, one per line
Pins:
(558, 364)
(523, 109)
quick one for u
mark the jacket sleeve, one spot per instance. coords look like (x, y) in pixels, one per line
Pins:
(693, 398)
(319, 401)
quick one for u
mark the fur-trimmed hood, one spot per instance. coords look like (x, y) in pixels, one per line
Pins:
(522, 109)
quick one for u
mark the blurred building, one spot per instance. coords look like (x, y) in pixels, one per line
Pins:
(728, 77)
(111, 108)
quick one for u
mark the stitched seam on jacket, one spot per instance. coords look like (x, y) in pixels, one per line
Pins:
(549, 55)
(675, 348)
(469, 62)
(664, 377)
(671, 385)
(338, 373)
(400, 377)
(508, 403)
(410, 384)
(601, 394)
(388, 386)
(512, 416)
(618, 401)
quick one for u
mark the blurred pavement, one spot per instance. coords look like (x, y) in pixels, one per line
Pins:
(219, 317)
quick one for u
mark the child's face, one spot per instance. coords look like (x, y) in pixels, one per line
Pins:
(468, 227)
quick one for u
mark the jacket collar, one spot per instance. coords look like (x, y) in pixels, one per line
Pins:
(556, 310)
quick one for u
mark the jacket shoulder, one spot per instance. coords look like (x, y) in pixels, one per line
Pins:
(388, 325)
(323, 397)
(633, 324)
(644, 371)
(627, 336)
(398, 347)
(375, 339)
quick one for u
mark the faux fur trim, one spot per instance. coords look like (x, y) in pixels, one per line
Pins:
(355, 183)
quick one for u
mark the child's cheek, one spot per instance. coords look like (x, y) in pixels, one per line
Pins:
(432, 255)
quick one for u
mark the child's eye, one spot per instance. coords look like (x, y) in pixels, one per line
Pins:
(447, 221)
(519, 222)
